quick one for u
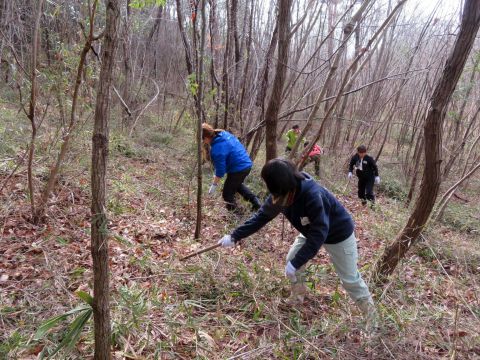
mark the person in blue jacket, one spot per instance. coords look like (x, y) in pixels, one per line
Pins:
(229, 157)
(321, 221)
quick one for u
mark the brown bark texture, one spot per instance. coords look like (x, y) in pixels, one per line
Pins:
(433, 142)
(99, 231)
(273, 108)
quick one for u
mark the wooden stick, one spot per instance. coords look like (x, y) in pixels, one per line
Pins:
(201, 251)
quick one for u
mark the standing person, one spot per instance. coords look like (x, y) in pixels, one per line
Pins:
(367, 173)
(320, 219)
(292, 136)
(314, 156)
(229, 157)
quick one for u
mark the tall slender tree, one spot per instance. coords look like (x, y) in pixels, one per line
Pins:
(99, 231)
(433, 143)
(273, 108)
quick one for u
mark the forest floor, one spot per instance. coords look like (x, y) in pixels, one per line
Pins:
(225, 304)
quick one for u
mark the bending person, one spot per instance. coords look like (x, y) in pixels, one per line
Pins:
(229, 157)
(320, 219)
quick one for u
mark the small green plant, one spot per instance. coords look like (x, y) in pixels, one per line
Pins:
(10, 345)
(74, 330)
(133, 308)
(393, 189)
(117, 207)
(122, 146)
(192, 84)
(462, 218)
(160, 138)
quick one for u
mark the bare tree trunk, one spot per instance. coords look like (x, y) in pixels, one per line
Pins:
(417, 159)
(32, 107)
(198, 226)
(215, 55)
(433, 140)
(226, 65)
(273, 108)
(261, 94)
(188, 56)
(99, 230)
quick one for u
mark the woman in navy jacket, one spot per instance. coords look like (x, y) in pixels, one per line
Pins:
(320, 219)
(229, 157)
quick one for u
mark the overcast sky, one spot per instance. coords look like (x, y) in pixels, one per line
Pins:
(447, 8)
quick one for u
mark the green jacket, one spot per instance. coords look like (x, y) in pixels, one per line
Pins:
(292, 136)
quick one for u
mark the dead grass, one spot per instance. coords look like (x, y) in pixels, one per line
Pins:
(224, 304)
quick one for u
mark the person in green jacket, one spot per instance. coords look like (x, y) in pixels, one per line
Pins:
(292, 136)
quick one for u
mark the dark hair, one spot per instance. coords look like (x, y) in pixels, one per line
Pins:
(295, 126)
(281, 176)
(362, 149)
(209, 132)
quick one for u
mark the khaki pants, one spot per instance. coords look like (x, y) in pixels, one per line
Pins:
(344, 256)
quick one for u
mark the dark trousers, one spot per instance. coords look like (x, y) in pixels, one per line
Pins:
(234, 184)
(316, 159)
(365, 189)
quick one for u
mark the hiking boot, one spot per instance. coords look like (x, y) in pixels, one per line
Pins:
(369, 312)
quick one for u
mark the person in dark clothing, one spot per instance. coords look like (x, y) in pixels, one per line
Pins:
(229, 157)
(367, 173)
(321, 221)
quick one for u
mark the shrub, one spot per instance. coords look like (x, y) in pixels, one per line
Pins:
(122, 146)
(462, 218)
(392, 188)
(160, 138)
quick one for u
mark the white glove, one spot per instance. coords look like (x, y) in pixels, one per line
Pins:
(212, 189)
(290, 272)
(350, 175)
(227, 241)
(377, 179)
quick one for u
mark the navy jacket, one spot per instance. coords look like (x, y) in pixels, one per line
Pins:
(370, 169)
(315, 212)
(228, 154)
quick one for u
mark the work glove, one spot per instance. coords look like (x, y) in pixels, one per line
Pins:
(227, 241)
(290, 272)
(212, 189)
(377, 179)
(350, 175)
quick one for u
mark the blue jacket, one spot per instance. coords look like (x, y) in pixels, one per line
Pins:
(315, 212)
(228, 154)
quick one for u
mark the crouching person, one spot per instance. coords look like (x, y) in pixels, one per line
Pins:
(320, 219)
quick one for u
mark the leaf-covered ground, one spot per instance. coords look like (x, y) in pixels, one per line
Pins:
(223, 304)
